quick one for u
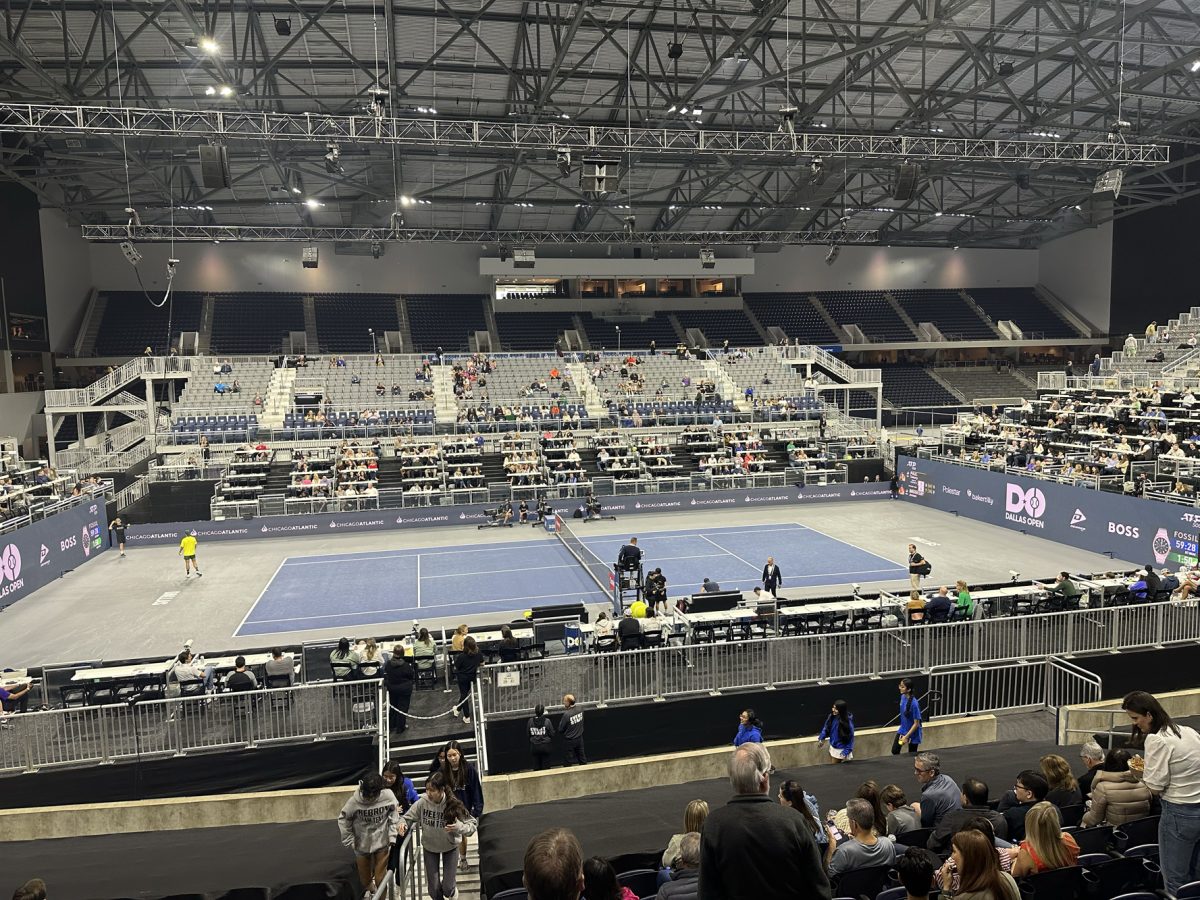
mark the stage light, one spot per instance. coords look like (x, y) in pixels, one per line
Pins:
(674, 50)
(209, 45)
(333, 160)
(832, 255)
(708, 259)
(313, 203)
(283, 27)
(1005, 68)
(376, 252)
(225, 90)
(562, 156)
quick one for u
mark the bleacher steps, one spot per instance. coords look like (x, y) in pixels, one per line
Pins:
(726, 386)
(405, 328)
(583, 338)
(489, 316)
(758, 326)
(310, 325)
(945, 384)
(904, 317)
(582, 379)
(89, 327)
(1024, 379)
(970, 301)
(675, 323)
(1064, 312)
(445, 405)
(204, 342)
(837, 329)
(279, 399)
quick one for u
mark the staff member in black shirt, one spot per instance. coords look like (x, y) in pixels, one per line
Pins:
(916, 567)
(540, 730)
(465, 667)
(523, 509)
(118, 529)
(570, 726)
(772, 578)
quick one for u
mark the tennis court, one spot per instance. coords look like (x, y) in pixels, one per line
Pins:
(348, 590)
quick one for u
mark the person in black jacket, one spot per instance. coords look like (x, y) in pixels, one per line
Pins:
(755, 849)
(463, 780)
(772, 578)
(399, 676)
(570, 726)
(541, 733)
(465, 667)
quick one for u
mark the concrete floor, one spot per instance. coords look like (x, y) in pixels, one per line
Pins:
(141, 606)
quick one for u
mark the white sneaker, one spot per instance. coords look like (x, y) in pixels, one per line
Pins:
(466, 720)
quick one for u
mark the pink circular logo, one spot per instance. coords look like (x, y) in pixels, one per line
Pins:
(10, 563)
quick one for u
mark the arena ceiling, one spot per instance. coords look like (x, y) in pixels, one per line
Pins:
(1042, 70)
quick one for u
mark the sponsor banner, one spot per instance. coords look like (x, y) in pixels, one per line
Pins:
(33, 556)
(420, 517)
(1139, 531)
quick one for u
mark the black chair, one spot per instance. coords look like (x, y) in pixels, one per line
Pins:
(517, 893)
(606, 644)
(862, 882)
(1096, 839)
(1138, 895)
(1056, 884)
(1142, 851)
(1190, 891)
(193, 687)
(1122, 875)
(73, 695)
(642, 882)
(102, 693)
(1135, 833)
(918, 837)
(1070, 815)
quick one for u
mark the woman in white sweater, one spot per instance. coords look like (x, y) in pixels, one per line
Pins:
(444, 821)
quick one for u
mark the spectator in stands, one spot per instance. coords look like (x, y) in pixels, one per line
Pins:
(964, 605)
(1140, 589)
(1093, 757)
(241, 678)
(187, 668)
(399, 676)
(466, 665)
(462, 780)
(1095, 366)
(344, 661)
(754, 849)
(900, 817)
(865, 849)
(570, 726)
(1064, 790)
(1171, 770)
(915, 608)
(938, 609)
(749, 729)
(444, 822)
(1153, 583)
(460, 635)
(629, 629)
(1130, 345)
(915, 871)
(694, 815)
(974, 799)
(684, 883)
(1117, 795)
(909, 730)
(869, 791)
(793, 796)
(396, 782)
(984, 826)
(1045, 845)
(1031, 788)
(838, 731)
(939, 794)
(1064, 587)
(33, 889)
(600, 881)
(553, 866)
(369, 824)
(977, 870)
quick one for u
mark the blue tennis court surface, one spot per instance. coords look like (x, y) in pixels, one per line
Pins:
(356, 589)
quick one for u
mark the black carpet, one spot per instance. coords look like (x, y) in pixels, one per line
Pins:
(632, 829)
(303, 861)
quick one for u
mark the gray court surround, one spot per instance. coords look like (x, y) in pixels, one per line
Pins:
(426, 516)
(1149, 532)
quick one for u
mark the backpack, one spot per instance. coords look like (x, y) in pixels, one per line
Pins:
(924, 568)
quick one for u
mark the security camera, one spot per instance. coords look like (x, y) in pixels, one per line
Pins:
(1014, 574)
(856, 588)
(171, 264)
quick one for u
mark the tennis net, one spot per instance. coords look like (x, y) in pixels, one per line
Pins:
(601, 572)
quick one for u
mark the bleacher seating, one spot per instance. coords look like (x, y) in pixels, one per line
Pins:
(602, 334)
(720, 325)
(869, 310)
(253, 323)
(778, 391)
(509, 388)
(131, 322)
(444, 320)
(343, 321)
(224, 416)
(1023, 306)
(913, 386)
(975, 382)
(947, 310)
(794, 313)
(532, 330)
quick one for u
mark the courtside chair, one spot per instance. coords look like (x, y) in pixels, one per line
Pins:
(1096, 839)
(1055, 884)
(1111, 877)
(1136, 833)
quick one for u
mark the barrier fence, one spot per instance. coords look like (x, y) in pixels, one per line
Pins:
(510, 690)
(1049, 683)
(170, 727)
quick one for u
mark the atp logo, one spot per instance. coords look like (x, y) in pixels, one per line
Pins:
(10, 563)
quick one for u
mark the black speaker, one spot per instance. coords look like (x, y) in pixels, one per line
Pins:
(906, 181)
(214, 166)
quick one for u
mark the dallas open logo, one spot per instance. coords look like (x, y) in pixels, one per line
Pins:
(1025, 507)
(10, 570)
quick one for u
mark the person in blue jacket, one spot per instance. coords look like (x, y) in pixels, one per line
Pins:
(838, 731)
(395, 781)
(909, 731)
(749, 729)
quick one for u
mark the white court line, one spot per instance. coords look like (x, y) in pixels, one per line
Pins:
(354, 557)
(418, 581)
(728, 552)
(698, 533)
(803, 577)
(495, 571)
(254, 605)
(858, 548)
(381, 612)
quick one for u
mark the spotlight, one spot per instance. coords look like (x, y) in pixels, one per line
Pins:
(562, 156)
(225, 90)
(376, 251)
(395, 222)
(504, 253)
(708, 259)
(283, 27)
(1005, 68)
(630, 223)
(1117, 130)
(333, 160)
(524, 258)
(309, 257)
(817, 167)
(1109, 182)
(787, 119)
(209, 45)
(674, 50)
(832, 255)
(313, 203)
(378, 103)
(210, 91)
(1195, 66)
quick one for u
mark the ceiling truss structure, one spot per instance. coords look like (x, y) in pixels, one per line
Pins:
(1006, 106)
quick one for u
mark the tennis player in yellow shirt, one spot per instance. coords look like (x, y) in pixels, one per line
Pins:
(187, 549)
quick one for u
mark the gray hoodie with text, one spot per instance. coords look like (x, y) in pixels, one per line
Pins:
(432, 817)
(369, 826)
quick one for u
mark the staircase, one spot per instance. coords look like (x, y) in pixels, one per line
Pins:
(753, 319)
(726, 386)
(279, 476)
(445, 404)
(89, 329)
(204, 341)
(904, 316)
(312, 343)
(493, 469)
(579, 329)
(947, 385)
(970, 301)
(680, 331)
(582, 379)
(826, 317)
(587, 459)
(489, 316)
(279, 398)
(405, 328)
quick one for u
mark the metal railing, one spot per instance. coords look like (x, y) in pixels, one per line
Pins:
(514, 689)
(1046, 684)
(171, 727)
(45, 510)
(1082, 725)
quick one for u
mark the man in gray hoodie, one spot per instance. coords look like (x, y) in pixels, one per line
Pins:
(370, 824)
